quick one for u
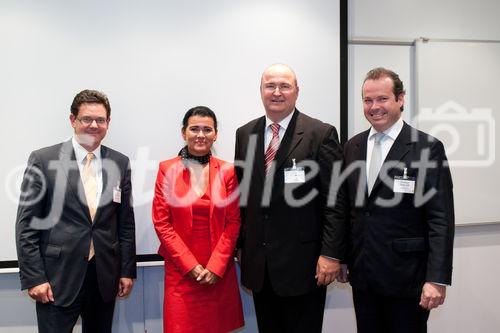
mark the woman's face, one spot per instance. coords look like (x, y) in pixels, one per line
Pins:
(199, 135)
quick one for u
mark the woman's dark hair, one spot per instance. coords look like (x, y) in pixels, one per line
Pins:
(201, 111)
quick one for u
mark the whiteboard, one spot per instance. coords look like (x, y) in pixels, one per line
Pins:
(154, 60)
(457, 90)
(363, 58)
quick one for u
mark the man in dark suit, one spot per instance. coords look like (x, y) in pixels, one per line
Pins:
(290, 246)
(397, 202)
(75, 230)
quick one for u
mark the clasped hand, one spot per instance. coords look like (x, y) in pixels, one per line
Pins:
(203, 275)
(41, 293)
(432, 296)
(327, 270)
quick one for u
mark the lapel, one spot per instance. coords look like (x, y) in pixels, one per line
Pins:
(69, 166)
(293, 135)
(183, 196)
(359, 154)
(259, 130)
(110, 180)
(360, 146)
(213, 175)
(398, 151)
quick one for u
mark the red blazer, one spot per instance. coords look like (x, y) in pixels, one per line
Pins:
(172, 214)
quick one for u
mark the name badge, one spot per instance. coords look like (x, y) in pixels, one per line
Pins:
(295, 175)
(404, 184)
(117, 194)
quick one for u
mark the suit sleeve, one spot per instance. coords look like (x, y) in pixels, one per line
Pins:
(239, 176)
(126, 230)
(440, 218)
(172, 245)
(334, 231)
(31, 204)
(223, 251)
(341, 208)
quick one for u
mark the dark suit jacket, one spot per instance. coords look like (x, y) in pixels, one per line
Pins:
(394, 250)
(54, 228)
(285, 237)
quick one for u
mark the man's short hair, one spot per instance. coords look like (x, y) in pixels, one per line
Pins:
(381, 72)
(90, 96)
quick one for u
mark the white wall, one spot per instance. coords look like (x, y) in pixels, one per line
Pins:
(472, 300)
(362, 58)
(471, 304)
(407, 19)
(154, 61)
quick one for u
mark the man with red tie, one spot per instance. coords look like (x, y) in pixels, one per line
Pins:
(290, 247)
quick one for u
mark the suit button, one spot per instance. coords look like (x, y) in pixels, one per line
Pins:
(266, 216)
(264, 243)
(367, 214)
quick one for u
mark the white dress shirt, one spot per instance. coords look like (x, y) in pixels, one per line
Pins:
(268, 132)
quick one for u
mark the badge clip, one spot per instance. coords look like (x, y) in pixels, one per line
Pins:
(295, 174)
(404, 184)
(117, 193)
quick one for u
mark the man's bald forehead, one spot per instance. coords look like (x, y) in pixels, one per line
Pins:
(280, 68)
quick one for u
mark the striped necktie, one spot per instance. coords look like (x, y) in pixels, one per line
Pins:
(273, 146)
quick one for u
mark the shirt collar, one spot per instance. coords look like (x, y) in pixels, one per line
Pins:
(283, 123)
(392, 132)
(81, 153)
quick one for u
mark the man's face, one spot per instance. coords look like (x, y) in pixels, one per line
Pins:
(380, 106)
(279, 92)
(90, 125)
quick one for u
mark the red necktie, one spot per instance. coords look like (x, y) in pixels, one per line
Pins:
(273, 146)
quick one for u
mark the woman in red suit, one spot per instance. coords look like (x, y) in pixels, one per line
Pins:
(196, 217)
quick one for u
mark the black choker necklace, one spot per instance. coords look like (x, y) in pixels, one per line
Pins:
(185, 155)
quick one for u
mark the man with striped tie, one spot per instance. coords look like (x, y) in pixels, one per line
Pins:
(75, 230)
(289, 244)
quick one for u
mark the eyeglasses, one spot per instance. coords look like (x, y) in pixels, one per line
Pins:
(100, 121)
(281, 87)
